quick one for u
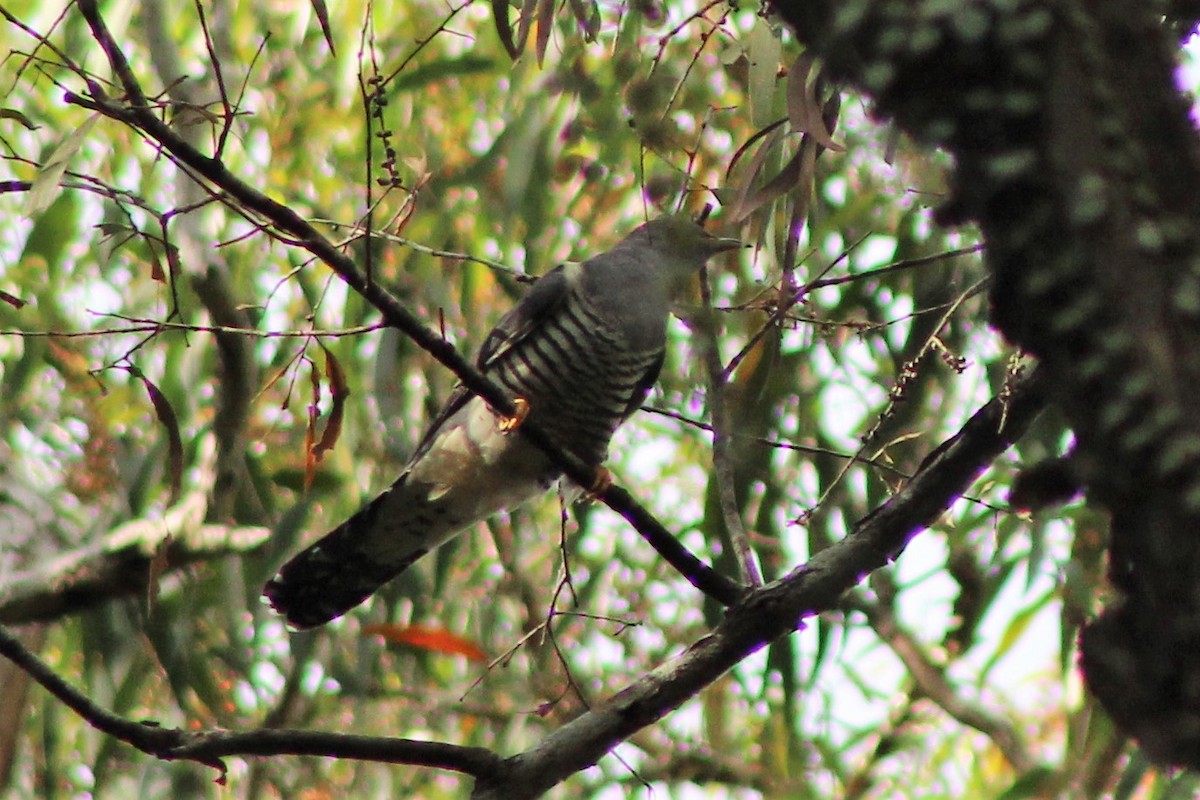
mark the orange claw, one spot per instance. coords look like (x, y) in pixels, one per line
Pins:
(603, 480)
(510, 424)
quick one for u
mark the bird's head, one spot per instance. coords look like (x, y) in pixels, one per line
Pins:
(677, 246)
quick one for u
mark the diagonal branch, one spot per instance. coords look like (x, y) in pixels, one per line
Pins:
(780, 607)
(138, 113)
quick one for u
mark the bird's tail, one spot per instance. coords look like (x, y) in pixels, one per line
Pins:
(351, 562)
(470, 470)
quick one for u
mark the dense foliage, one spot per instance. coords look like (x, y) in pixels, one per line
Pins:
(170, 363)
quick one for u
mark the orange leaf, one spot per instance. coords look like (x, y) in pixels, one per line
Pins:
(437, 640)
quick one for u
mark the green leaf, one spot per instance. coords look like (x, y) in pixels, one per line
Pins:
(45, 185)
(441, 69)
(764, 49)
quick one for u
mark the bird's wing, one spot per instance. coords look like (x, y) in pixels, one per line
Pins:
(644, 386)
(540, 303)
(545, 297)
(458, 398)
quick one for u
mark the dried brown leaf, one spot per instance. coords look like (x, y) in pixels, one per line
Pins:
(12, 299)
(156, 270)
(158, 565)
(166, 417)
(310, 429)
(339, 391)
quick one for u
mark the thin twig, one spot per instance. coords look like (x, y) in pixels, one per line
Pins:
(929, 343)
(495, 266)
(809, 449)
(722, 457)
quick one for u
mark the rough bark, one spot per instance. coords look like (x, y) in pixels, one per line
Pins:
(1076, 156)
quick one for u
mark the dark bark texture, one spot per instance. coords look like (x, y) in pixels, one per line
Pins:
(1077, 157)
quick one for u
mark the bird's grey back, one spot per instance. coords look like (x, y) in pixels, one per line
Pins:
(586, 367)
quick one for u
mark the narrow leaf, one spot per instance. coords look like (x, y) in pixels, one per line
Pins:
(322, 12)
(45, 185)
(545, 26)
(339, 391)
(588, 17)
(437, 640)
(441, 69)
(158, 565)
(750, 175)
(166, 416)
(504, 28)
(804, 109)
(310, 430)
(796, 174)
(12, 113)
(763, 50)
(528, 14)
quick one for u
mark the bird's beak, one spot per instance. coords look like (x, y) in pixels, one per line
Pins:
(719, 245)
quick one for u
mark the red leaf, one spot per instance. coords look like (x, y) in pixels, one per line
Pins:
(437, 640)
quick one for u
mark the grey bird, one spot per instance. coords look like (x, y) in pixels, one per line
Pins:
(578, 354)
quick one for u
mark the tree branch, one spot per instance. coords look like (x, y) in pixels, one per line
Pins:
(123, 564)
(722, 455)
(209, 747)
(128, 559)
(780, 607)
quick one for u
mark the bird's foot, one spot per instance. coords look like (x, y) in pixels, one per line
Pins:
(600, 484)
(510, 424)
